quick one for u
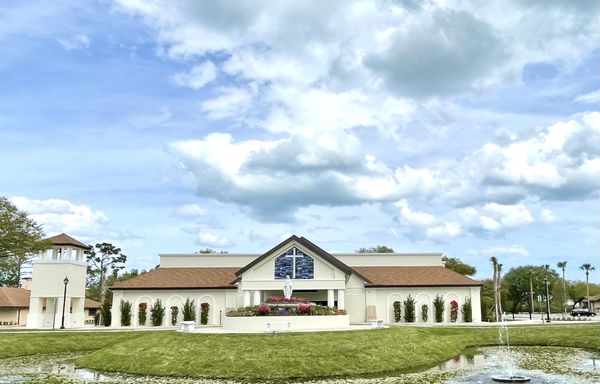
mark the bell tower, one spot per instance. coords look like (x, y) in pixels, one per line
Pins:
(58, 285)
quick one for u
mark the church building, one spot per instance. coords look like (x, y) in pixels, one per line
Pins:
(365, 285)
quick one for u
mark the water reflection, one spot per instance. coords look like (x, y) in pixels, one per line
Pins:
(544, 366)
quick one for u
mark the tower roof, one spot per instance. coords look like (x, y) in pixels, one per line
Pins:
(64, 239)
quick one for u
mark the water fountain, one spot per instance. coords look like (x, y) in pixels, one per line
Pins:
(506, 355)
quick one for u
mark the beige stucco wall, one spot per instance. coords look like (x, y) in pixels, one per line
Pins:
(390, 259)
(219, 301)
(48, 275)
(383, 299)
(13, 315)
(205, 260)
(261, 276)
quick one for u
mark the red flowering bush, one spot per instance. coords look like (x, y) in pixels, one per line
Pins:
(264, 309)
(304, 309)
(453, 311)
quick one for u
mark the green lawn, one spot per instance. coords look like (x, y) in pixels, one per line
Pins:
(286, 356)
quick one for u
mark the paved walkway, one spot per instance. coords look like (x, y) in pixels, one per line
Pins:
(520, 320)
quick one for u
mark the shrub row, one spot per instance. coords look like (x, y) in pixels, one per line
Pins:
(157, 313)
(439, 306)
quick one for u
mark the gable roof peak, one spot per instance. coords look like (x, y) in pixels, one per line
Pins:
(309, 246)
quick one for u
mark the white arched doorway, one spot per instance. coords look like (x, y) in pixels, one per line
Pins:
(211, 308)
(136, 308)
(447, 307)
(174, 301)
(392, 297)
(420, 300)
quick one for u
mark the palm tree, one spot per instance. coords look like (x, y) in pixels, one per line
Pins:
(499, 289)
(495, 280)
(562, 265)
(587, 268)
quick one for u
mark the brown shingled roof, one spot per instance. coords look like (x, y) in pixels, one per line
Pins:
(89, 303)
(11, 297)
(181, 278)
(414, 276)
(64, 239)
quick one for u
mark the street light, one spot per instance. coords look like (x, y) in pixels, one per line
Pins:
(547, 300)
(62, 324)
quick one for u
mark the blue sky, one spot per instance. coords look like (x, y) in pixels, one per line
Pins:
(172, 126)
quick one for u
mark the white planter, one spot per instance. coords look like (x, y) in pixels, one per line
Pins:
(188, 326)
(285, 323)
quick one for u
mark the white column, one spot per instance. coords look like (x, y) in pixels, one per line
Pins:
(246, 298)
(341, 303)
(257, 298)
(330, 298)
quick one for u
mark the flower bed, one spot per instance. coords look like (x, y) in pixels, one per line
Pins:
(285, 309)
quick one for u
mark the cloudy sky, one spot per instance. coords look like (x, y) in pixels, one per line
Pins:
(172, 126)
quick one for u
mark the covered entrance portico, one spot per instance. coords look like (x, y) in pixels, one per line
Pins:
(329, 297)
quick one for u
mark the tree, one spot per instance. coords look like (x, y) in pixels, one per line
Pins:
(495, 280)
(587, 267)
(210, 250)
(458, 266)
(517, 280)
(9, 271)
(106, 256)
(21, 238)
(563, 265)
(376, 249)
(157, 313)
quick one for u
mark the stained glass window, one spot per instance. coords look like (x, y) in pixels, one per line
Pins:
(295, 264)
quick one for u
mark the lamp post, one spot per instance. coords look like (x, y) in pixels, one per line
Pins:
(547, 300)
(62, 324)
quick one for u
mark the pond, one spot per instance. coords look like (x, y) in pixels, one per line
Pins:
(544, 365)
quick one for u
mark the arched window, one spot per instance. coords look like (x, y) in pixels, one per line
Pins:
(295, 264)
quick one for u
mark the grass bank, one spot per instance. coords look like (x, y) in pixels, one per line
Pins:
(288, 356)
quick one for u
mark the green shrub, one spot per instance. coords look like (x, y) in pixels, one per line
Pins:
(125, 313)
(204, 308)
(409, 309)
(467, 311)
(438, 304)
(174, 314)
(157, 313)
(189, 310)
(105, 313)
(397, 311)
(142, 307)
(424, 312)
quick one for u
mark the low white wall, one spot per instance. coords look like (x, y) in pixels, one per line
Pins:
(285, 323)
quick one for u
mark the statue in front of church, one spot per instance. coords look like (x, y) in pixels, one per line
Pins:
(287, 288)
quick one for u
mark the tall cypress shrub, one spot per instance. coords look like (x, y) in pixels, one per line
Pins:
(467, 311)
(125, 313)
(409, 309)
(438, 304)
(397, 311)
(157, 313)
(189, 310)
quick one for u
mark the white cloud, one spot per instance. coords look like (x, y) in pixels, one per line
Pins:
(80, 221)
(274, 178)
(506, 250)
(207, 239)
(190, 211)
(547, 216)
(592, 97)
(197, 77)
(231, 101)
(75, 42)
